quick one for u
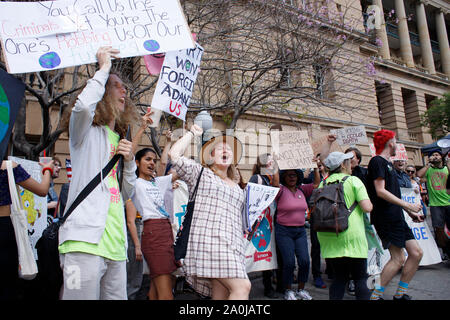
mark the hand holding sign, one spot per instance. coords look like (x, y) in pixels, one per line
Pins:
(104, 55)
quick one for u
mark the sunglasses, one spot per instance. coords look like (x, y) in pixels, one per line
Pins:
(410, 171)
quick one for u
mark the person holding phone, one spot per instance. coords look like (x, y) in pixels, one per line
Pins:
(388, 219)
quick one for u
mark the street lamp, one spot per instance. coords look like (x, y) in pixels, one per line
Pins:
(204, 121)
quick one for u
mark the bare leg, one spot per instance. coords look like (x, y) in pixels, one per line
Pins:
(392, 266)
(219, 291)
(415, 254)
(239, 289)
(163, 287)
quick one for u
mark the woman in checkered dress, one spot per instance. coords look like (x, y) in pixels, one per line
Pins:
(215, 262)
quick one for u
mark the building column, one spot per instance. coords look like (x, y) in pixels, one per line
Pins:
(424, 36)
(403, 32)
(443, 42)
(383, 51)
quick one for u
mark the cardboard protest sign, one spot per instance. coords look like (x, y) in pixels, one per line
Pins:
(400, 153)
(35, 206)
(176, 81)
(135, 27)
(292, 149)
(11, 95)
(260, 250)
(350, 135)
(421, 231)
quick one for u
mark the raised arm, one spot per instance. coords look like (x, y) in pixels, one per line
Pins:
(326, 147)
(84, 109)
(162, 164)
(180, 146)
(421, 173)
(146, 121)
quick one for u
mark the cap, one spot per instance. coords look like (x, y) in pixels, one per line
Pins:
(335, 159)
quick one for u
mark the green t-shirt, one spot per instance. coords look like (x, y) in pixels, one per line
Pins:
(112, 243)
(352, 242)
(436, 183)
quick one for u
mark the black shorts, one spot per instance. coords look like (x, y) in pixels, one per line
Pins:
(394, 233)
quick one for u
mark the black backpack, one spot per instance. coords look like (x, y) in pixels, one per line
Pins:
(329, 212)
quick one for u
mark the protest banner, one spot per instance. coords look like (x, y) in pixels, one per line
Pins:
(176, 81)
(421, 231)
(11, 94)
(292, 150)
(400, 153)
(135, 27)
(260, 250)
(350, 136)
(35, 206)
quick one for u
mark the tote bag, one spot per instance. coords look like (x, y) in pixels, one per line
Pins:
(27, 264)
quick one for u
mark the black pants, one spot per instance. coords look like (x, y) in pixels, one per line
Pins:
(9, 261)
(315, 254)
(343, 269)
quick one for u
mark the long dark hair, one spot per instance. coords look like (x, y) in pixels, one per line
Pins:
(140, 154)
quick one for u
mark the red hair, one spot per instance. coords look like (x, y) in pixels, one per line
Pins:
(380, 138)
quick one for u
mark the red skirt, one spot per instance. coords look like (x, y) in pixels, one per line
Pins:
(157, 247)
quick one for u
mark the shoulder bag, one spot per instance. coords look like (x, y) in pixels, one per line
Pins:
(27, 264)
(182, 237)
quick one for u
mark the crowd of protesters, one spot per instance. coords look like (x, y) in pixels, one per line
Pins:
(140, 217)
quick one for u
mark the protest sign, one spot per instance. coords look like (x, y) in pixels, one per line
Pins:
(258, 198)
(421, 231)
(400, 153)
(373, 151)
(11, 95)
(35, 206)
(260, 250)
(350, 135)
(20, 20)
(135, 27)
(176, 81)
(292, 149)
(180, 200)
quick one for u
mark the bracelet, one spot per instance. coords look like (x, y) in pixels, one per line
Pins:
(49, 169)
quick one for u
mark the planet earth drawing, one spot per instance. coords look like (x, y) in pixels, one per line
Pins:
(151, 45)
(261, 239)
(49, 60)
(4, 113)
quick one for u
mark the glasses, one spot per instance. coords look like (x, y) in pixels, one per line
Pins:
(410, 171)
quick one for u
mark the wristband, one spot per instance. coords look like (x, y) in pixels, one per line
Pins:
(49, 169)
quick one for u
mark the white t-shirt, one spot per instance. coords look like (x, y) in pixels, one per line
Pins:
(149, 197)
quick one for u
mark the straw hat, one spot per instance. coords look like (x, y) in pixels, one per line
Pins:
(207, 148)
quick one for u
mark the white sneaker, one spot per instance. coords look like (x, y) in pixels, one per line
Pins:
(290, 295)
(303, 295)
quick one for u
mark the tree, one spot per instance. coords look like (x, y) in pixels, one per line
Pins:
(437, 117)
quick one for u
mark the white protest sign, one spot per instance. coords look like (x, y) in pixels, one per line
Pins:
(259, 197)
(30, 19)
(421, 231)
(35, 206)
(135, 27)
(400, 153)
(176, 81)
(180, 200)
(260, 250)
(373, 151)
(292, 149)
(350, 135)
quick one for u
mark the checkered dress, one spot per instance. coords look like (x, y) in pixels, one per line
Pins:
(216, 241)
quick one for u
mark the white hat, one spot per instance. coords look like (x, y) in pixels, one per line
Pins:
(334, 159)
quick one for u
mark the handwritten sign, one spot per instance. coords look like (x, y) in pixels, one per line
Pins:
(135, 27)
(400, 153)
(176, 81)
(24, 20)
(350, 135)
(258, 198)
(292, 149)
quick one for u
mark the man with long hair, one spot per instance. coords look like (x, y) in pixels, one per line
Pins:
(388, 219)
(92, 241)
